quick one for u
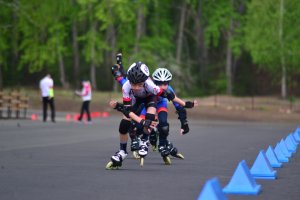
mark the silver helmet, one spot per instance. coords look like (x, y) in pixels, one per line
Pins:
(162, 75)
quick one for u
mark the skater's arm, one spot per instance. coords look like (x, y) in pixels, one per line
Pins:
(129, 114)
(185, 104)
(118, 70)
(118, 74)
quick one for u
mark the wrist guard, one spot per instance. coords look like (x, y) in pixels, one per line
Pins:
(185, 126)
(189, 104)
(146, 123)
(121, 108)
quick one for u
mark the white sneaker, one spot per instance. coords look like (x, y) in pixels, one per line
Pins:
(119, 156)
(143, 150)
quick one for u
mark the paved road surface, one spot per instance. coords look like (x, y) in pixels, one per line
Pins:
(67, 161)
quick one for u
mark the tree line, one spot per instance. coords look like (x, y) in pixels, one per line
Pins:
(237, 47)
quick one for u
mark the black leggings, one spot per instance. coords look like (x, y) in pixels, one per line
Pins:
(50, 101)
(85, 107)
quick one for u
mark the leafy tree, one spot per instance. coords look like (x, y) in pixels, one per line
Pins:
(271, 37)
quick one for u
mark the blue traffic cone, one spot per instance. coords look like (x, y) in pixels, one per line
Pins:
(291, 135)
(272, 157)
(290, 145)
(296, 136)
(212, 191)
(261, 168)
(284, 149)
(280, 156)
(242, 182)
(297, 131)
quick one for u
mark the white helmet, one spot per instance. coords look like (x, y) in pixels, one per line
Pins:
(162, 74)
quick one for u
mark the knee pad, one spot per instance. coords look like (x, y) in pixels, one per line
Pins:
(163, 130)
(124, 126)
(150, 116)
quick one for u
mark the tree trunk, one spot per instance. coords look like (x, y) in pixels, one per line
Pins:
(110, 57)
(229, 58)
(15, 35)
(76, 57)
(282, 59)
(113, 42)
(93, 65)
(180, 33)
(63, 81)
(201, 50)
(140, 29)
(1, 78)
(229, 62)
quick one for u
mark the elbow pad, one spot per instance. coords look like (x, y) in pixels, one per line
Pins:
(168, 94)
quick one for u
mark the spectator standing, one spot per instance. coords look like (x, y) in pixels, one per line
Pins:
(86, 95)
(47, 92)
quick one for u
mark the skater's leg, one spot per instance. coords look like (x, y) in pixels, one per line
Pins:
(150, 115)
(163, 127)
(123, 130)
(119, 156)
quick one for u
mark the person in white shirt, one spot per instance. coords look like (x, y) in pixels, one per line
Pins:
(47, 93)
(86, 95)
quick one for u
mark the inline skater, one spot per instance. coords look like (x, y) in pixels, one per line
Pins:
(137, 90)
(161, 77)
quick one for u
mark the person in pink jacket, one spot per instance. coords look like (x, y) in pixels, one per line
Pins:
(86, 95)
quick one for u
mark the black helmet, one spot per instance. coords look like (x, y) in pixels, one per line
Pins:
(137, 73)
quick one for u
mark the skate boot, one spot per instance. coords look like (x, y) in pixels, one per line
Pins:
(153, 140)
(116, 160)
(135, 144)
(164, 152)
(173, 151)
(143, 151)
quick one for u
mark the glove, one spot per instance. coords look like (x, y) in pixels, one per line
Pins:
(184, 127)
(146, 123)
(189, 104)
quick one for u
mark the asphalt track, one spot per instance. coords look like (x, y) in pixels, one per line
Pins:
(67, 161)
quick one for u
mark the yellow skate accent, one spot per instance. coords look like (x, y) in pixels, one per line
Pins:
(142, 161)
(154, 148)
(110, 166)
(135, 154)
(179, 155)
(167, 160)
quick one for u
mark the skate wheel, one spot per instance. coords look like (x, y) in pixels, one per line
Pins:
(110, 165)
(180, 156)
(167, 160)
(136, 154)
(142, 161)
